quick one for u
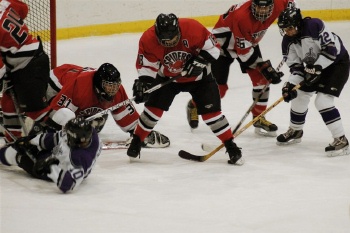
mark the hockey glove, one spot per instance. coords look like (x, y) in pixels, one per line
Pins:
(99, 122)
(42, 167)
(266, 69)
(140, 86)
(312, 74)
(194, 66)
(288, 93)
(24, 147)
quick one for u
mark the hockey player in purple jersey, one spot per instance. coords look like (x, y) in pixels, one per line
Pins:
(65, 157)
(318, 57)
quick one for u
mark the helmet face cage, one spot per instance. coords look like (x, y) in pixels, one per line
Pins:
(167, 30)
(107, 82)
(262, 9)
(110, 88)
(79, 133)
(288, 19)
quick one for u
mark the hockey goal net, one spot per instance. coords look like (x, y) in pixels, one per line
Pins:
(41, 21)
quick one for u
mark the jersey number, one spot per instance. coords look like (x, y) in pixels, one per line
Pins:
(13, 24)
(130, 108)
(240, 43)
(325, 38)
(64, 101)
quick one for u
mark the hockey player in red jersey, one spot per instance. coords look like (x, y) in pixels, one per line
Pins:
(27, 67)
(181, 48)
(87, 91)
(239, 32)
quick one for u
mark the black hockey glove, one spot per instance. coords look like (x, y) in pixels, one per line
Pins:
(312, 74)
(266, 69)
(42, 167)
(288, 93)
(194, 66)
(24, 147)
(140, 86)
(99, 122)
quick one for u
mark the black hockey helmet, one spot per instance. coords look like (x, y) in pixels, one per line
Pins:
(289, 18)
(79, 133)
(106, 82)
(167, 30)
(262, 9)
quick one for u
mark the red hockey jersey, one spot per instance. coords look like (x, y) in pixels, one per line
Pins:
(77, 93)
(238, 31)
(17, 46)
(170, 60)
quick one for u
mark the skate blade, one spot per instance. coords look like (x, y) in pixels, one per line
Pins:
(341, 152)
(134, 160)
(265, 133)
(293, 141)
(239, 162)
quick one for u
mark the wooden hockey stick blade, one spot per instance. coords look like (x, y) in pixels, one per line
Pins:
(201, 158)
(114, 145)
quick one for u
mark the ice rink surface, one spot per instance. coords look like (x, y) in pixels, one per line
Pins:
(290, 189)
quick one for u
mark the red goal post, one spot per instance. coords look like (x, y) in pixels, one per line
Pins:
(41, 21)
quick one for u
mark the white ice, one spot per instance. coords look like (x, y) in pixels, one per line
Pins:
(279, 189)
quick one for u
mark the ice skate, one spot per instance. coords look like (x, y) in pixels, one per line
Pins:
(290, 137)
(192, 115)
(156, 140)
(134, 148)
(234, 153)
(340, 146)
(265, 128)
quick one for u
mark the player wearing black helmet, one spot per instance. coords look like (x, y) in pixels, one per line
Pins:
(316, 56)
(79, 133)
(87, 91)
(65, 157)
(262, 9)
(184, 48)
(107, 81)
(239, 32)
(290, 22)
(167, 30)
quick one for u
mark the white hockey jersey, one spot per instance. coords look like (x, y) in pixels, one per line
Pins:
(75, 164)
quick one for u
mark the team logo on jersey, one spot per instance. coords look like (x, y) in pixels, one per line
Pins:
(258, 35)
(175, 60)
(90, 111)
(310, 57)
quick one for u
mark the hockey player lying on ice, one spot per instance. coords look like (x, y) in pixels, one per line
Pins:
(65, 157)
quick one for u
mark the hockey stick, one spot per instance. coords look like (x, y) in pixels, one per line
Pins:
(8, 132)
(125, 102)
(257, 99)
(14, 139)
(114, 145)
(18, 112)
(254, 103)
(201, 158)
